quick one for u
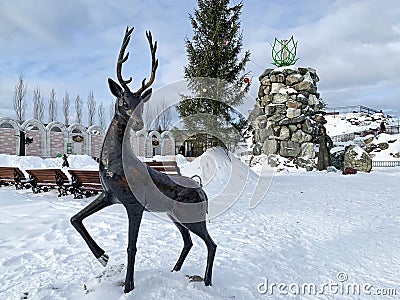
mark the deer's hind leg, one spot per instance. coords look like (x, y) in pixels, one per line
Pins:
(135, 213)
(187, 244)
(102, 201)
(200, 229)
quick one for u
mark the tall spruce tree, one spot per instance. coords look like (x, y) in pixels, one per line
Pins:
(213, 53)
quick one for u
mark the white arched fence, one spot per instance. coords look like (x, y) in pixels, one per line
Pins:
(51, 139)
(55, 137)
(153, 143)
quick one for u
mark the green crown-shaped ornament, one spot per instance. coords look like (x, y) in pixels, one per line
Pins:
(286, 54)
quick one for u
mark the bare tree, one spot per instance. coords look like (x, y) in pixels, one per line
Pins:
(52, 106)
(102, 117)
(91, 103)
(78, 109)
(112, 110)
(165, 116)
(66, 104)
(147, 116)
(19, 99)
(38, 105)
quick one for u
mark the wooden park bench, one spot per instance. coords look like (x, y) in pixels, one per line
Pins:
(167, 167)
(45, 179)
(13, 176)
(85, 183)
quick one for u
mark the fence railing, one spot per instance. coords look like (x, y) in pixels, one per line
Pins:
(350, 109)
(392, 129)
(388, 163)
(341, 138)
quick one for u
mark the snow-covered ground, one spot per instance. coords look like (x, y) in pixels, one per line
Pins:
(312, 229)
(355, 122)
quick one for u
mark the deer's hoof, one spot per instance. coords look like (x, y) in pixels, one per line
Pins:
(207, 281)
(103, 259)
(129, 286)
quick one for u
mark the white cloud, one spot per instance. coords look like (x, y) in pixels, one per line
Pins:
(73, 45)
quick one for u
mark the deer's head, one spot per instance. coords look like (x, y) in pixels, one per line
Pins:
(130, 104)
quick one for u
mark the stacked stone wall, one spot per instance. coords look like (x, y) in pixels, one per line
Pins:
(286, 118)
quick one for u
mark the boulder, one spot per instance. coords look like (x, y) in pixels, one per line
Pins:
(396, 155)
(292, 128)
(288, 71)
(267, 90)
(302, 71)
(265, 73)
(301, 137)
(309, 126)
(257, 149)
(356, 158)
(313, 100)
(303, 86)
(383, 145)
(293, 113)
(370, 147)
(302, 99)
(270, 147)
(309, 168)
(265, 100)
(320, 119)
(273, 160)
(303, 162)
(280, 98)
(275, 87)
(276, 118)
(289, 149)
(260, 122)
(257, 111)
(260, 91)
(266, 82)
(287, 121)
(293, 104)
(284, 133)
(266, 133)
(272, 109)
(307, 150)
(313, 74)
(293, 79)
(277, 78)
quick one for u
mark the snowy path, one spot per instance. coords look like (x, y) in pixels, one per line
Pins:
(309, 228)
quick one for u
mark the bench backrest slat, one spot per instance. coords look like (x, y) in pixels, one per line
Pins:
(47, 175)
(11, 172)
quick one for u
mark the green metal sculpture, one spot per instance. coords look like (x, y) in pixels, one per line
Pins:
(286, 55)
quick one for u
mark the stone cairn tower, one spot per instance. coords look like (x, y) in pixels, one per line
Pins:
(286, 117)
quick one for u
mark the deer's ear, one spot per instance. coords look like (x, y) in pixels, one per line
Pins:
(115, 89)
(146, 95)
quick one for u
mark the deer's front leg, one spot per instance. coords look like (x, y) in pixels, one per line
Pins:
(135, 213)
(99, 203)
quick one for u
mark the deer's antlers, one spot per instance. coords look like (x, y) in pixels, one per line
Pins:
(122, 58)
(154, 64)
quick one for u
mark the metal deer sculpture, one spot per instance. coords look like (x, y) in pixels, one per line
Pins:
(139, 187)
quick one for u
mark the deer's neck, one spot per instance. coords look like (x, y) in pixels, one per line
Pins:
(111, 153)
(111, 161)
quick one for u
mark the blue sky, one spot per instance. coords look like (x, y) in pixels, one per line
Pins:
(73, 45)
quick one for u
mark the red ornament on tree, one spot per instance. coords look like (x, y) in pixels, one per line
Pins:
(246, 80)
